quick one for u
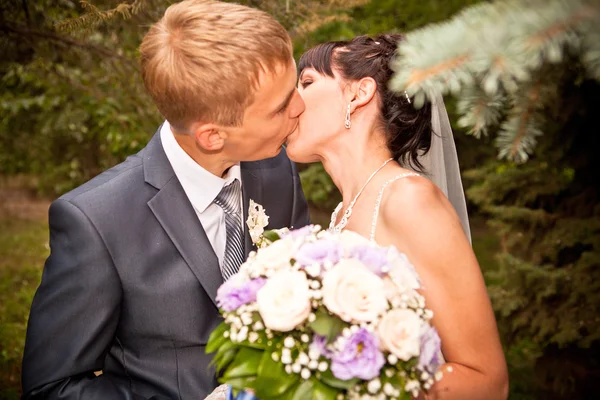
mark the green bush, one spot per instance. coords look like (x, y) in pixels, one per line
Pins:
(546, 288)
(23, 248)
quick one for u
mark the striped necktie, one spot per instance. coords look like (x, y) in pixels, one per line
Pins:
(229, 200)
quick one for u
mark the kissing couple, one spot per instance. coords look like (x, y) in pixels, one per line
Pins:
(138, 252)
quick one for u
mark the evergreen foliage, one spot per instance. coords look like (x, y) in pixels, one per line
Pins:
(94, 17)
(497, 56)
(546, 288)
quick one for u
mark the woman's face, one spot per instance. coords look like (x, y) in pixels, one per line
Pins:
(323, 118)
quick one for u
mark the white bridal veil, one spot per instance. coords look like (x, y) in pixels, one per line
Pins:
(441, 162)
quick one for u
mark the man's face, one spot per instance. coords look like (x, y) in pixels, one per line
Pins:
(269, 120)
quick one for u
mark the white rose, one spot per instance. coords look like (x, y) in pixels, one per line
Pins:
(351, 239)
(284, 301)
(353, 292)
(402, 277)
(399, 333)
(274, 257)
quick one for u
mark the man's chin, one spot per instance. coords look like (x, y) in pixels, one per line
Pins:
(290, 138)
(264, 155)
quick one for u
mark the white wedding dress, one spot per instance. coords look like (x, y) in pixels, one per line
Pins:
(219, 393)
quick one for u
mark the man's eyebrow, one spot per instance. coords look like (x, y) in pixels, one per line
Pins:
(286, 102)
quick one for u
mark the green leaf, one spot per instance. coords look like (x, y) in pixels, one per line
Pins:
(244, 383)
(255, 345)
(327, 325)
(272, 381)
(304, 391)
(330, 380)
(226, 358)
(245, 363)
(271, 235)
(216, 338)
(323, 392)
(224, 349)
(291, 392)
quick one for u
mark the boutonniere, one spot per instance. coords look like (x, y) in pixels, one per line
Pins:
(256, 222)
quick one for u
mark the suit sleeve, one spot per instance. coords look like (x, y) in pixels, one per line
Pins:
(300, 211)
(74, 314)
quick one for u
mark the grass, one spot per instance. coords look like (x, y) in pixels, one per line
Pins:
(23, 249)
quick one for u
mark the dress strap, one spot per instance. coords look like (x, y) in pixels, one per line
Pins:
(380, 196)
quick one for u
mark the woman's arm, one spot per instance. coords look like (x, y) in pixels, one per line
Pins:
(419, 220)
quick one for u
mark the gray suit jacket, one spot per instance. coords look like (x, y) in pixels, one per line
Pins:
(130, 284)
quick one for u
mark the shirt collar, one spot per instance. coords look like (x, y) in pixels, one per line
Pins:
(200, 186)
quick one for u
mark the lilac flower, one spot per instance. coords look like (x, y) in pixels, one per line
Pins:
(431, 354)
(319, 344)
(318, 252)
(237, 291)
(359, 358)
(375, 258)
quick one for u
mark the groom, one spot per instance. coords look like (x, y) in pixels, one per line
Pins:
(139, 251)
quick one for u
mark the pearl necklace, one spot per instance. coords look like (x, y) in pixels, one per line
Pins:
(344, 221)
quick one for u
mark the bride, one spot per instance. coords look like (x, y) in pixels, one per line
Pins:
(397, 170)
(371, 141)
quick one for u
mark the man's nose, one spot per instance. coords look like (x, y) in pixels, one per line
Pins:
(298, 105)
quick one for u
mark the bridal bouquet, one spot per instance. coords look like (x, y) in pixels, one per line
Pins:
(314, 314)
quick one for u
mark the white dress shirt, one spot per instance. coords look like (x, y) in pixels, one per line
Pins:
(201, 188)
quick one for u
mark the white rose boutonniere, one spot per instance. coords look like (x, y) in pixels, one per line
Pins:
(256, 222)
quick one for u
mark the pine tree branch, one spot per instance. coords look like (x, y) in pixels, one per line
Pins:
(95, 16)
(418, 76)
(478, 110)
(87, 5)
(563, 26)
(526, 117)
(497, 48)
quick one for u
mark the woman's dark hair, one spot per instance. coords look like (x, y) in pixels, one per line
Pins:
(408, 130)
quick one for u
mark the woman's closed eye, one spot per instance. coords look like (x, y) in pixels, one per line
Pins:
(305, 83)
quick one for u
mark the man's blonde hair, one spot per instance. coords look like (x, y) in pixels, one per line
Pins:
(202, 60)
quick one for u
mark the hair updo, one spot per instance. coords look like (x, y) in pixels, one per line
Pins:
(408, 130)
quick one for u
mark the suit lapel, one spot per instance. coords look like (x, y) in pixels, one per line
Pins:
(251, 189)
(178, 218)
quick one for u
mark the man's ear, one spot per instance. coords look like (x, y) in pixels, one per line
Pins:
(364, 90)
(209, 137)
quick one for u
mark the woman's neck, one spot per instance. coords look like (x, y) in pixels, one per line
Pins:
(351, 164)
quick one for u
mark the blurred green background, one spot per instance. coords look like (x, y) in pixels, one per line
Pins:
(72, 104)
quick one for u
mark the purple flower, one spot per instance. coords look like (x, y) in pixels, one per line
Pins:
(359, 358)
(431, 354)
(375, 258)
(318, 252)
(319, 344)
(237, 291)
